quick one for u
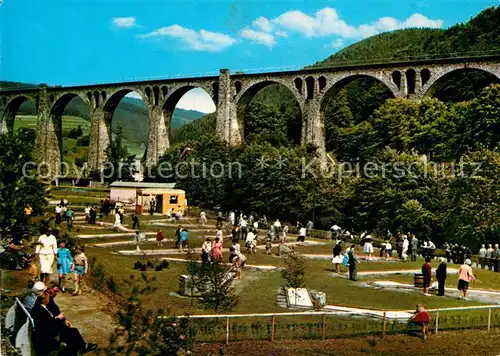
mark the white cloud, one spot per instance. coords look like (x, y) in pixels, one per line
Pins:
(263, 24)
(327, 22)
(196, 40)
(419, 20)
(296, 21)
(258, 37)
(283, 34)
(197, 99)
(123, 22)
(338, 43)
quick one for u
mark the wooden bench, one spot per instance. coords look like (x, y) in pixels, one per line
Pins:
(19, 322)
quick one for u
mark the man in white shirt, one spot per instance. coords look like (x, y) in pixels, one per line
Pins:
(388, 250)
(58, 214)
(302, 235)
(277, 229)
(219, 234)
(309, 226)
(250, 242)
(335, 229)
(431, 248)
(244, 228)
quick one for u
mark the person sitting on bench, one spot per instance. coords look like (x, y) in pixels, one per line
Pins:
(48, 327)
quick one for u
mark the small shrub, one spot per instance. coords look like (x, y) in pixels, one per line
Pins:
(294, 270)
(80, 161)
(75, 132)
(112, 285)
(97, 275)
(83, 141)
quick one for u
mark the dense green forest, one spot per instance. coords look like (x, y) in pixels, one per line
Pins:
(437, 143)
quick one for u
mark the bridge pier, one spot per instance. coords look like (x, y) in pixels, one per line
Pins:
(158, 141)
(47, 150)
(227, 125)
(100, 138)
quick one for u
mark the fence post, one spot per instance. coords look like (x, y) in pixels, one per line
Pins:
(384, 324)
(323, 333)
(437, 322)
(272, 328)
(227, 330)
(489, 319)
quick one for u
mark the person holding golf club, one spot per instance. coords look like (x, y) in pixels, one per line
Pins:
(465, 277)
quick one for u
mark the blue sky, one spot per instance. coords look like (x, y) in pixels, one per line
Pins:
(72, 42)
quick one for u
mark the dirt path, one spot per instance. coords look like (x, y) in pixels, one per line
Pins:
(91, 312)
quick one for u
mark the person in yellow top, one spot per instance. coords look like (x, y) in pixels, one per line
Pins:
(28, 209)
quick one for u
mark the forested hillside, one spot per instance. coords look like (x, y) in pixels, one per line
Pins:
(418, 144)
(479, 36)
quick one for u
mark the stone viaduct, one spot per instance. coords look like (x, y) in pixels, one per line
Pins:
(230, 93)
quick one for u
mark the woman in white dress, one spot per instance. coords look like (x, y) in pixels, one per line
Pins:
(368, 247)
(203, 218)
(404, 253)
(46, 249)
(118, 220)
(337, 256)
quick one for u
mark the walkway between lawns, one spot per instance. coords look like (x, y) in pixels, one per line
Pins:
(481, 295)
(139, 252)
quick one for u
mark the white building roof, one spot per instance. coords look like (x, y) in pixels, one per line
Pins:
(142, 185)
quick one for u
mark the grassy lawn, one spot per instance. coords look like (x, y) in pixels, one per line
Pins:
(258, 289)
(68, 122)
(70, 150)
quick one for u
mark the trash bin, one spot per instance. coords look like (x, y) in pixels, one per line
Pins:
(319, 298)
(418, 280)
(138, 209)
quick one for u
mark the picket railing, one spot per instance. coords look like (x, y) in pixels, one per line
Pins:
(330, 324)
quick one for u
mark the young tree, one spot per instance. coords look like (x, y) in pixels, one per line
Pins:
(294, 271)
(120, 162)
(215, 282)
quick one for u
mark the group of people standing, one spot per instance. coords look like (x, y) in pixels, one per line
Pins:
(64, 212)
(465, 276)
(490, 257)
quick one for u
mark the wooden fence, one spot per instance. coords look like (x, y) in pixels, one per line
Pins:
(331, 324)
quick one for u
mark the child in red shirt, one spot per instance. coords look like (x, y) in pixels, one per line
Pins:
(160, 237)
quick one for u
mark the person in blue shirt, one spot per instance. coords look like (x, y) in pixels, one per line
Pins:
(183, 239)
(64, 262)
